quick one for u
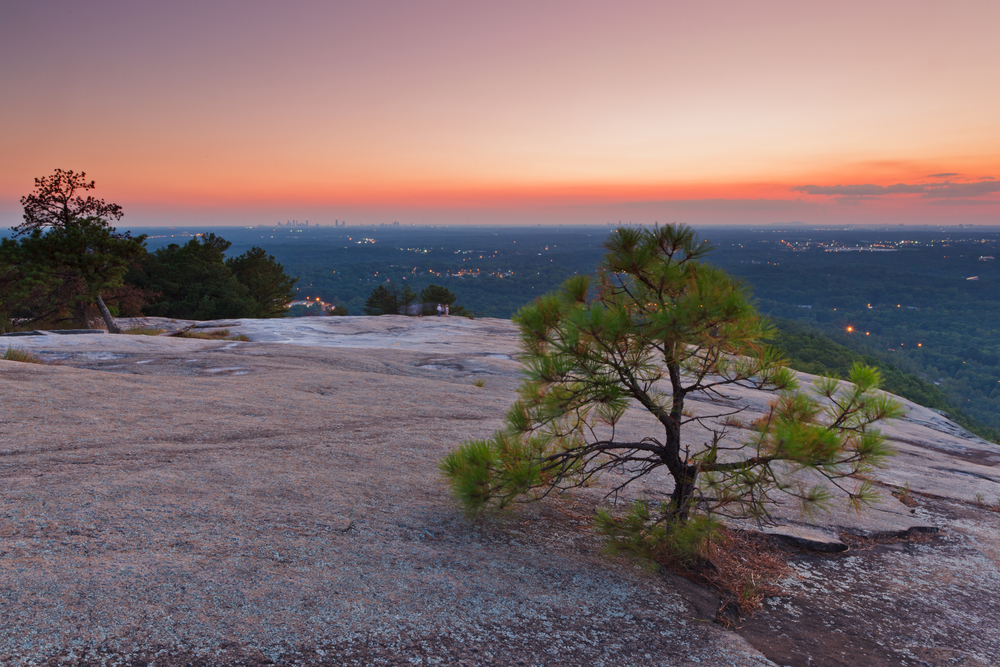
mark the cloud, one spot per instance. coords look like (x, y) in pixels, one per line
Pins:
(927, 190)
(868, 190)
(963, 189)
(944, 175)
(720, 204)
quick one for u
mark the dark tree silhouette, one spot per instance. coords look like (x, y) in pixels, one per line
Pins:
(435, 294)
(266, 279)
(57, 205)
(194, 281)
(387, 299)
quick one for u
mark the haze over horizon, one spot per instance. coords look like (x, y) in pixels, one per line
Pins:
(438, 112)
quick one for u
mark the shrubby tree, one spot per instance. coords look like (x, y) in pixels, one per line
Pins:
(388, 299)
(432, 295)
(56, 202)
(266, 280)
(193, 281)
(85, 259)
(656, 328)
(69, 255)
(29, 292)
(437, 294)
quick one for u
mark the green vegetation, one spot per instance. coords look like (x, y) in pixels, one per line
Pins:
(194, 281)
(926, 320)
(437, 294)
(659, 325)
(507, 270)
(68, 259)
(143, 331)
(810, 351)
(432, 295)
(389, 299)
(915, 307)
(17, 354)
(217, 334)
(266, 281)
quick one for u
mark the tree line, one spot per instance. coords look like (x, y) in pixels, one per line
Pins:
(390, 299)
(911, 309)
(67, 265)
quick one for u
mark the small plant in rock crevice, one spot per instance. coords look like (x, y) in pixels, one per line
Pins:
(218, 334)
(980, 502)
(733, 421)
(24, 356)
(904, 494)
(143, 331)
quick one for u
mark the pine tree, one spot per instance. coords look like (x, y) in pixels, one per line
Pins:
(658, 326)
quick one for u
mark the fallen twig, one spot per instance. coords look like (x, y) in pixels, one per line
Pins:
(177, 332)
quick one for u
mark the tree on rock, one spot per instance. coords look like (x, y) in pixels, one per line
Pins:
(388, 299)
(432, 295)
(437, 294)
(56, 202)
(658, 328)
(197, 281)
(70, 239)
(269, 286)
(193, 281)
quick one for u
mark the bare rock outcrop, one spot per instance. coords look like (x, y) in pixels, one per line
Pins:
(176, 501)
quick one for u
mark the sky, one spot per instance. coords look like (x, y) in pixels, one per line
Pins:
(441, 112)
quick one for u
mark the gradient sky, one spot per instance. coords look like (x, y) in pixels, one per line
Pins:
(426, 111)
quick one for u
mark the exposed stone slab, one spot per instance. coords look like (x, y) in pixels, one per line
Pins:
(313, 442)
(807, 536)
(886, 518)
(294, 514)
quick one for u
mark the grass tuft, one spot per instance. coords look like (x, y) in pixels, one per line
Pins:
(733, 421)
(217, 334)
(143, 331)
(17, 354)
(479, 383)
(904, 494)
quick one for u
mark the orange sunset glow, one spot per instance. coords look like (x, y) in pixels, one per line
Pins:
(515, 112)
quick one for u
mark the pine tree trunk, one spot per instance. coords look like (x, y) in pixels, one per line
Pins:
(81, 314)
(106, 314)
(683, 492)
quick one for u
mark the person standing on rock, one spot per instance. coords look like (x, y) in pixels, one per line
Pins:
(446, 310)
(440, 310)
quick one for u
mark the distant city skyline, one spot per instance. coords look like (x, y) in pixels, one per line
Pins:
(716, 113)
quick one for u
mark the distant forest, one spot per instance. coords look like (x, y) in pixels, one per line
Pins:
(924, 303)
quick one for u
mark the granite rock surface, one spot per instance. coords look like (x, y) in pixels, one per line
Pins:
(176, 501)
